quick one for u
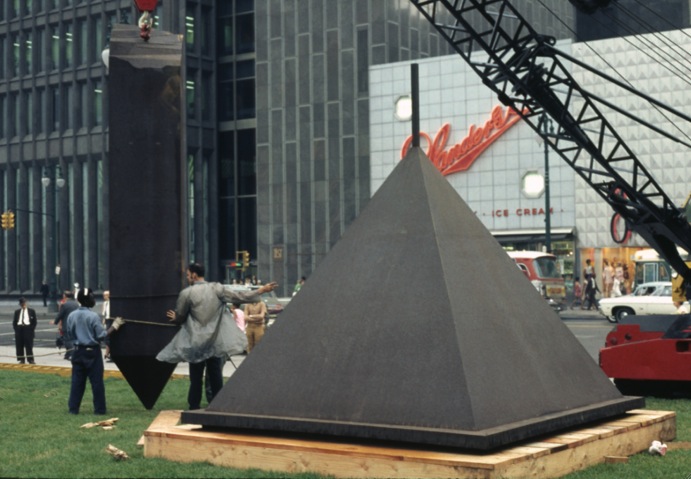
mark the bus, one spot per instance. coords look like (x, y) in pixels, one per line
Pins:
(543, 272)
(650, 267)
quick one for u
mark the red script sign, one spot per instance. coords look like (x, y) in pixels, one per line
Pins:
(463, 154)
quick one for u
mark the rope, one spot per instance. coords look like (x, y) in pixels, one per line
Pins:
(150, 323)
(135, 321)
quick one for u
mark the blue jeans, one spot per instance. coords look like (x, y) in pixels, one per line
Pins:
(214, 372)
(87, 363)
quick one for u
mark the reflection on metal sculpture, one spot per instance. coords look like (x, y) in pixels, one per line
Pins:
(145, 216)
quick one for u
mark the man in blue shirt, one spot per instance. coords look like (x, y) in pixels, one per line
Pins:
(85, 330)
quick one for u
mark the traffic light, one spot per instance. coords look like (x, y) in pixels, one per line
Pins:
(245, 259)
(5, 220)
(10, 219)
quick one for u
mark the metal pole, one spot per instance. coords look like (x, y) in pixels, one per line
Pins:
(415, 100)
(51, 244)
(548, 222)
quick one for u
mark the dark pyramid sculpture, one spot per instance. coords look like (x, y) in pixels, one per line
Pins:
(417, 327)
(144, 204)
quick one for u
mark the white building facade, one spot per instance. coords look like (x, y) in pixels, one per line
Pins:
(504, 156)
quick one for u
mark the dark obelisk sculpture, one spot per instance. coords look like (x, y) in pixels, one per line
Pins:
(418, 328)
(145, 207)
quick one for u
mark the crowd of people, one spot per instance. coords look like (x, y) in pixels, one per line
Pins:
(615, 282)
(213, 326)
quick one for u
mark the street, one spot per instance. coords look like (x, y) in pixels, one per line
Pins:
(589, 327)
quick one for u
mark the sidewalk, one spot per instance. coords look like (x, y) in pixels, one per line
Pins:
(47, 355)
(51, 357)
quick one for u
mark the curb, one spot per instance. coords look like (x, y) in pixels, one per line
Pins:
(65, 371)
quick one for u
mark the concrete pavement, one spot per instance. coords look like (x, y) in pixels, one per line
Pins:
(54, 358)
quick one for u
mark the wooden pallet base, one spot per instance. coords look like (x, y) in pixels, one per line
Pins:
(549, 457)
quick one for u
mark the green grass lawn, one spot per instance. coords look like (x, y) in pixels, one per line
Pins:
(40, 439)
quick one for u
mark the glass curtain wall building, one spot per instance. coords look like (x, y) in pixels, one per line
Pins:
(54, 138)
(53, 143)
(277, 128)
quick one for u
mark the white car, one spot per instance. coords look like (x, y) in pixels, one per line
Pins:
(647, 298)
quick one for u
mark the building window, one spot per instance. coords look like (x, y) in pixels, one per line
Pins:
(96, 47)
(235, 28)
(98, 103)
(14, 115)
(69, 46)
(236, 90)
(28, 55)
(54, 47)
(16, 54)
(190, 202)
(40, 109)
(237, 189)
(244, 26)
(38, 46)
(54, 108)
(190, 28)
(28, 112)
(68, 113)
(81, 42)
(226, 103)
(206, 94)
(3, 46)
(191, 93)
(3, 113)
(245, 89)
(82, 115)
(207, 31)
(247, 162)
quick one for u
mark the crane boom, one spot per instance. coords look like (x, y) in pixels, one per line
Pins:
(527, 73)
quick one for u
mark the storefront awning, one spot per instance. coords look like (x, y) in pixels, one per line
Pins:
(556, 234)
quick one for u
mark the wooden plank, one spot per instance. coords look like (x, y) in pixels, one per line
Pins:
(549, 457)
(164, 420)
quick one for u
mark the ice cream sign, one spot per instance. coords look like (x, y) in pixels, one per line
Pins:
(460, 156)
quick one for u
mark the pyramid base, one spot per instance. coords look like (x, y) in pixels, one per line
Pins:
(547, 457)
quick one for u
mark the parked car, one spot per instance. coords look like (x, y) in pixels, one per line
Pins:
(273, 305)
(647, 298)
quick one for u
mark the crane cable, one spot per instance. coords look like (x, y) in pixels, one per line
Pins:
(587, 44)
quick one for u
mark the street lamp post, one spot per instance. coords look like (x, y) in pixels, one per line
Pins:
(549, 132)
(52, 233)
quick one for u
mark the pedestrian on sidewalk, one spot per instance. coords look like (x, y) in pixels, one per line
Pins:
(591, 290)
(24, 324)
(69, 304)
(577, 299)
(45, 289)
(255, 319)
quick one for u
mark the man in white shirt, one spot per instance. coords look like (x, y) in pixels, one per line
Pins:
(106, 321)
(24, 324)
